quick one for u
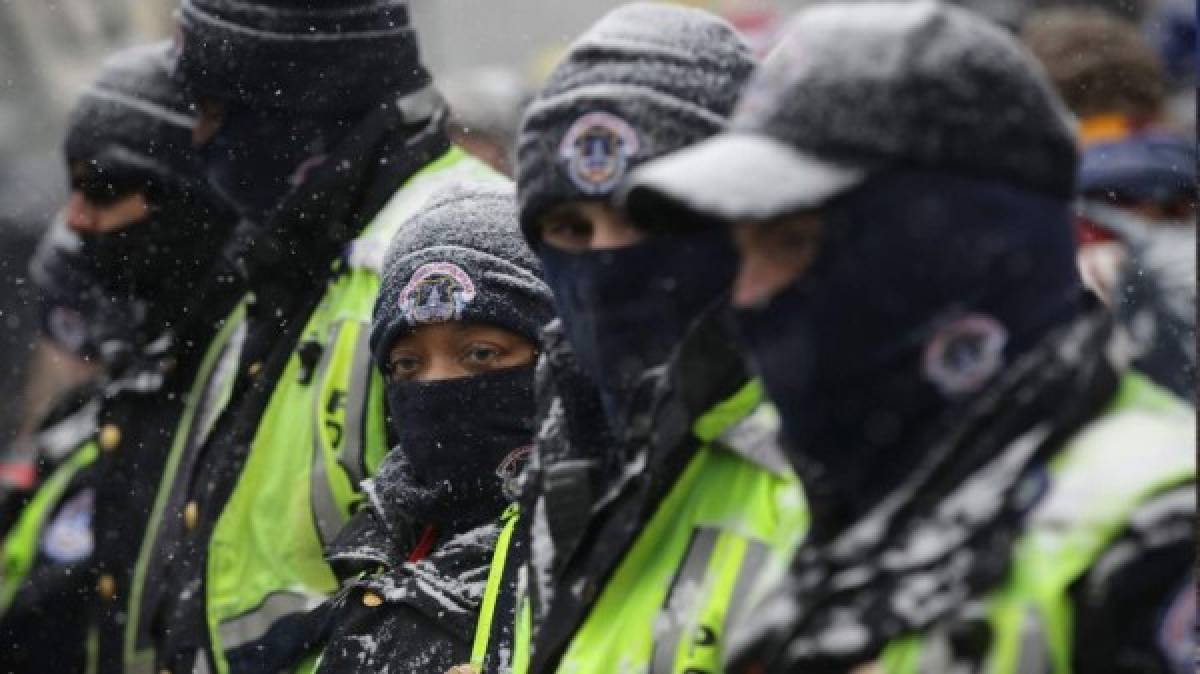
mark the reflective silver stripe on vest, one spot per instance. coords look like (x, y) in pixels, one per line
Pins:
(201, 664)
(748, 574)
(328, 517)
(253, 626)
(680, 598)
(351, 456)
(755, 438)
(1035, 656)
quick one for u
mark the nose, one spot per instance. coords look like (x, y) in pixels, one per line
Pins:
(439, 368)
(755, 283)
(608, 235)
(80, 214)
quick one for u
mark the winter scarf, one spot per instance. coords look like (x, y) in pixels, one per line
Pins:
(944, 535)
(625, 310)
(461, 443)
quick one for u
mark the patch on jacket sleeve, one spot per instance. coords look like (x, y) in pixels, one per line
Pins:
(68, 538)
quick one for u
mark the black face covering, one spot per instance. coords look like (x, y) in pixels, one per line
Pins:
(462, 439)
(626, 310)
(925, 287)
(258, 156)
(160, 258)
(152, 258)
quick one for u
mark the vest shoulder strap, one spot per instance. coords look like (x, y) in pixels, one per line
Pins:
(491, 593)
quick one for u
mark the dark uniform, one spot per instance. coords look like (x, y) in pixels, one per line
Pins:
(70, 556)
(324, 168)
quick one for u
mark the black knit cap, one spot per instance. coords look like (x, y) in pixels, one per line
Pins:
(307, 55)
(461, 258)
(135, 115)
(645, 80)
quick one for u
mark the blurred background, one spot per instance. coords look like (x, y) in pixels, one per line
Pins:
(487, 55)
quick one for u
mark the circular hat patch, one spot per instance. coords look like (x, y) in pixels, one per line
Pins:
(437, 292)
(596, 151)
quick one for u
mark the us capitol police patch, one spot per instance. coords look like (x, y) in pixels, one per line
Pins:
(596, 151)
(437, 292)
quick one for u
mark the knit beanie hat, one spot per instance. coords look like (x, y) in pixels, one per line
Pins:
(308, 55)
(134, 119)
(461, 258)
(645, 80)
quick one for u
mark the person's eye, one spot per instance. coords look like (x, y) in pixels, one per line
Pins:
(565, 232)
(402, 367)
(481, 354)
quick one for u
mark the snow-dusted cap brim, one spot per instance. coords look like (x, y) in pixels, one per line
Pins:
(738, 176)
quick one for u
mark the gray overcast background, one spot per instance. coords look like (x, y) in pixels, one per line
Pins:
(49, 49)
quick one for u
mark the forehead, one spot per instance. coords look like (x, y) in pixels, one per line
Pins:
(432, 335)
(592, 210)
(791, 221)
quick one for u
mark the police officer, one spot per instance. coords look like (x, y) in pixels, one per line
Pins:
(455, 332)
(652, 500)
(320, 124)
(991, 488)
(145, 228)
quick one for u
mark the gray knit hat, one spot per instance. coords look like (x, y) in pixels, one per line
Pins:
(308, 55)
(461, 258)
(137, 113)
(645, 80)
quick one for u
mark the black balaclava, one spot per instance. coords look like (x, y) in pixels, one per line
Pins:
(459, 442)
(130, 133)
(924, 286)
(645, 80)
(626, 310)
(258, 156)
(463, 441)
(161, 257)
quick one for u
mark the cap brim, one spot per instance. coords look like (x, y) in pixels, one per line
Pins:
(737, 176)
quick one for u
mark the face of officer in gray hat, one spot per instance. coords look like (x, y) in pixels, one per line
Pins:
(645, 80)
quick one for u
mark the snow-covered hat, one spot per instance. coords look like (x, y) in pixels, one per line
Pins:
(461, 258)
(853, 89)
(308, 55)
(134, 120)
(645, 80)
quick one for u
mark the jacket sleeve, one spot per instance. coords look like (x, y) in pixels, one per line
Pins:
(1136, 607)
